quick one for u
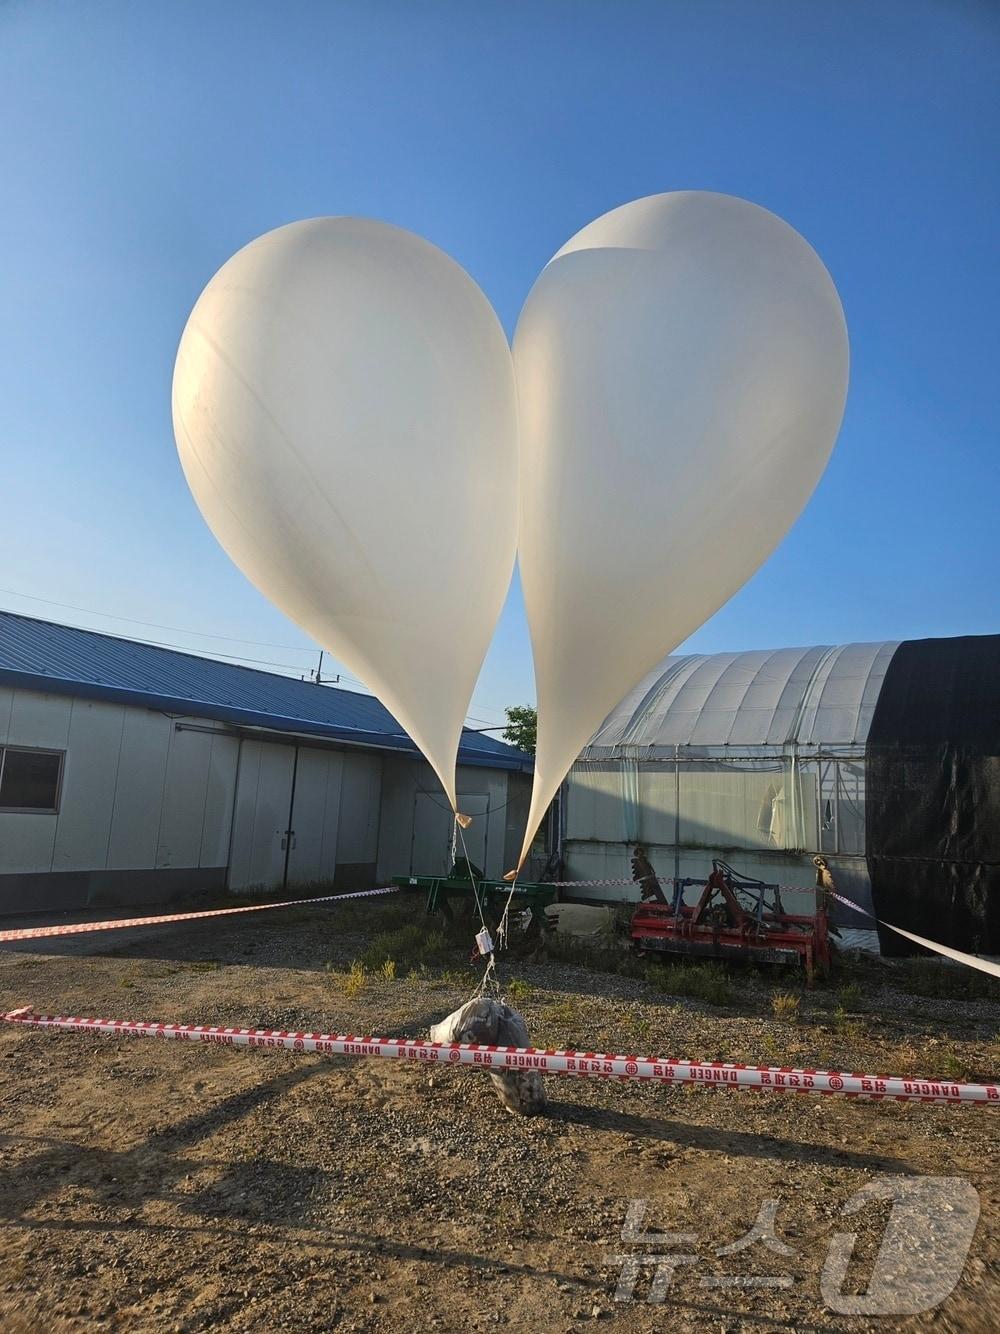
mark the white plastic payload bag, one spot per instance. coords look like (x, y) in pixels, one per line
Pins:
(492, 1023)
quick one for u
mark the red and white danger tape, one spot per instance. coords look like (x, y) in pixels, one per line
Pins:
(715, 1074)
(116, 924)
(581, 884)
(661, 880)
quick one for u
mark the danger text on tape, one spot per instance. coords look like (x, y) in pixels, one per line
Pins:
(716, 1074)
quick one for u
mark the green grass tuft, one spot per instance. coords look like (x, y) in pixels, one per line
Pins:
(707, 982)
(786, 1006)
(408, 946)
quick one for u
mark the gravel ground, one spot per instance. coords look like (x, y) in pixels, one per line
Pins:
(152, 1186)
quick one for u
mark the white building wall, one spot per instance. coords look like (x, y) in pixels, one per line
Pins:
(149, 801)
(27, 841)
(316, 816)
(360, 810)
(263, 804)
(197, 800)
(408, 787)
(137, 794)
(135, 823)
(90, 771)
(334, 816)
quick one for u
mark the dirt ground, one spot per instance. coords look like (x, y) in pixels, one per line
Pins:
(156, 1186)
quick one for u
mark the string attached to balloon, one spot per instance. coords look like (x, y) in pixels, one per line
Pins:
(489, 982)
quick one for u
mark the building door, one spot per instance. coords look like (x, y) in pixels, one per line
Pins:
(312, 854)
(433, 830)
(261, 817)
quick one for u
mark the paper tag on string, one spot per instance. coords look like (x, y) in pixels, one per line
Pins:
(484, 941)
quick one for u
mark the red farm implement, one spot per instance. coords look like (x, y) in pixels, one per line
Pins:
(735, 917)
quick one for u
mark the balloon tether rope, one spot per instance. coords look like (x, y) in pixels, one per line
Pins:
(488, 981)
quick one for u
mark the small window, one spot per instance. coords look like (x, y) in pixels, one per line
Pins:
(29, 779)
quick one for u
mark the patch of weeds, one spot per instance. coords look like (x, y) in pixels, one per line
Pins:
(786, 1006)
(409, 946)
(564, 1013)
(618, 923)
(849, 996)
(845, 1025)
(769, 1046)
(705, 982)
(638, 1027)
(598, 953)
(453, 977)
(126, 982)
(388, 970)
(204, 966)
(518, 991)
(354, 980)
(372, 915)
(952, 1066)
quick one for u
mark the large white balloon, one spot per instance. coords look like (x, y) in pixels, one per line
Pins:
(682, 368)
(345, 412)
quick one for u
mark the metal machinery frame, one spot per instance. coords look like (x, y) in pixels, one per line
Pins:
(736, 917)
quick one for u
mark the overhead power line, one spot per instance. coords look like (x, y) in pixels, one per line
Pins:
(156, 625)
(299, 671)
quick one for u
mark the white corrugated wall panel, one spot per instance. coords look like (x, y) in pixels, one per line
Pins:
(263, 803)
(135, 824)
(248, 775)
(184, 790)
(594, 804)
(308, 815)
(6, 704)
(658, 804)
(471, 779)
(88, 786)
(39, 720)
(26, 841)
(316, 815)
(219, 801)
(331, 816)
(360, 807)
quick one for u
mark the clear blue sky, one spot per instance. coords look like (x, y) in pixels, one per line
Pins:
(140, 145)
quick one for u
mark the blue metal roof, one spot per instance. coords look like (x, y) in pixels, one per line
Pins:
(61, 659)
